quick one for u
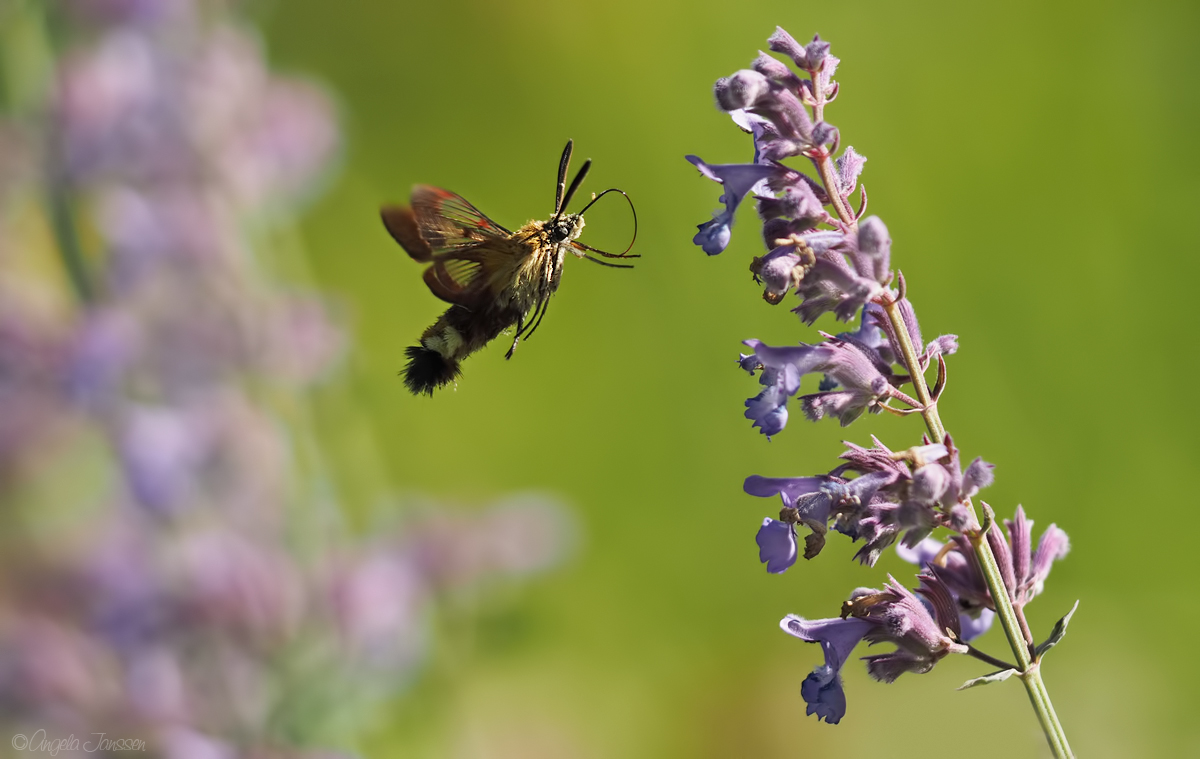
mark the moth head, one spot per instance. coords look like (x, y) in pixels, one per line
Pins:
(565, 228)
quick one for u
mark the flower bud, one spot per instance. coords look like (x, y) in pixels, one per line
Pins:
(782, 42)
(876, 245)
(741, 90)
(815, 52)
(775, 70)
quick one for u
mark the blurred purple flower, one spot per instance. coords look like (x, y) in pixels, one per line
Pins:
(162, 451)
(192, 580)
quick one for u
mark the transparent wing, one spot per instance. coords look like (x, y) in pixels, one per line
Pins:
(448, 222)
(459, 276)
(467, 250)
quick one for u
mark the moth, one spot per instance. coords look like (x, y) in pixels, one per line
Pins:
(492, 278)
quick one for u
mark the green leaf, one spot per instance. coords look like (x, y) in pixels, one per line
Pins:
(995, 677)
(1060, 629)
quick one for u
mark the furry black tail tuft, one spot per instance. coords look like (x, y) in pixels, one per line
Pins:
(428, 370)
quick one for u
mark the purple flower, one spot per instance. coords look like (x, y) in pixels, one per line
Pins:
(768, 409)
(838, 260)
(849, 364)
(873, 250)
(162, 451)
(849, 167)
(1031, 567)
(831, 285)
(822, 689)
(780, 271)
(894, 615)
(782, 369)
(905, 493)
(1023, 569)
(806, 501)
(739, 180)
(860, 371)
(769, 101)
(776, 545)
(932, 555)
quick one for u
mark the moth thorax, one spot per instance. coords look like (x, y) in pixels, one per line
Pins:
(568, 227)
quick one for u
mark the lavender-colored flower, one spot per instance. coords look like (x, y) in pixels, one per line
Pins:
(849, 364)
(860, 372)
(874, 248)
(932, 555)
(905, 493)
(929, 490)
(777, 545)
(837, 260)
(782, 369)
(806, 502)
(739, 180)
(849, 166)
(768, 101)
(1023, 568)
(163, 450)
(380, 603)
(917, 627)
(822, 690)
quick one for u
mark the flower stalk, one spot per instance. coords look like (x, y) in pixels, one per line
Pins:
(1016, 629)
(879, 496)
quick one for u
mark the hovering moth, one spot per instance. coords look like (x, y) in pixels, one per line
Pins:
(492, 278)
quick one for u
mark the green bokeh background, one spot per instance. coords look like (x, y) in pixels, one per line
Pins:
(1037, 167)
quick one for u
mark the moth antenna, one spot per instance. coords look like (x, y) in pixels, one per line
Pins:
(578, 180)
(563, 163)
(624, 253)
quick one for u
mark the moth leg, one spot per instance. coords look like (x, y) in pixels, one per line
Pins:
(516, 337)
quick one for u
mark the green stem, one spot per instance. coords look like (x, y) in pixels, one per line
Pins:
(928, 408)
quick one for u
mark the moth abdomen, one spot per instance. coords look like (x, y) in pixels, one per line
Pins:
(427, 370)
(456, 334)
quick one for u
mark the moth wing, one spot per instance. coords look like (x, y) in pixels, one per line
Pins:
(459, 276)
(401, 224)
(448, 222)
(439, 221)
(468, 251)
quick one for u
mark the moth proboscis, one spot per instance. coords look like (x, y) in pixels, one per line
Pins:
(492, 278)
